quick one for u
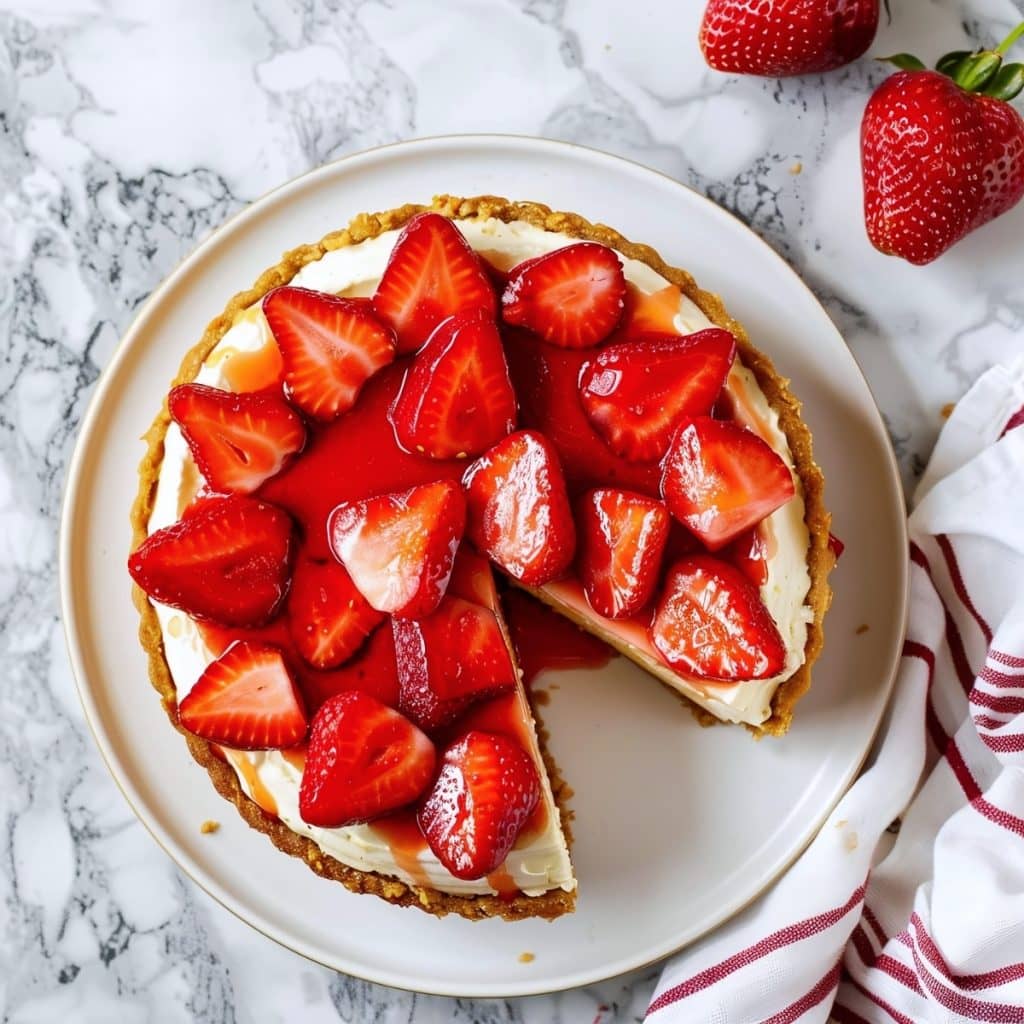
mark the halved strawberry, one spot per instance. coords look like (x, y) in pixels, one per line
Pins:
(432, 274)
(329, 619)
(484, 795)
(572, 297)
(237, 440)
(330, 347)
(449, 660)
(518, 510)
(364, 760)
(226, 560)
(456, 398)
(622, 539)
(720, 478)
(711, 623)
(246, 700)
(399, 548)
(634, 393)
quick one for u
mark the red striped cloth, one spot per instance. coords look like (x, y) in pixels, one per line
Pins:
(930, 927)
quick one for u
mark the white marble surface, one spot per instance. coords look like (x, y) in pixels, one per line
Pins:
(129, 129)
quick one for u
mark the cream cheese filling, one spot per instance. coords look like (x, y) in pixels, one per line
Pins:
(542, 864)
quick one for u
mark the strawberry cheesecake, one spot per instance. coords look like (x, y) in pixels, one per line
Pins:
(393, 433)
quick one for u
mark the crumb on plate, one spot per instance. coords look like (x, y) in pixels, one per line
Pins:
(209, 826)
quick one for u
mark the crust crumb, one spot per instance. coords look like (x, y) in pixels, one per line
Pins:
(796, 168)
(209, 826)
(947, 410)
(862, 629)
(526, 958)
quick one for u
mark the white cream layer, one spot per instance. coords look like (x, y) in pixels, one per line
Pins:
(544, 863)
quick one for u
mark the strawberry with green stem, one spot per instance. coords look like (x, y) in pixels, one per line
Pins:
(942, 152)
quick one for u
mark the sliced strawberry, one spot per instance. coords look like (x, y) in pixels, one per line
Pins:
(749, 553)
(432, 274)
(634, 393)
(572, 297)
(449, 660)
(329, 619)
(226, 560)
(518, 510)
(711, 623)
(246, 700)
(399, 548)
(720, 478)
(237, 440)
(483, 796)
(622, 539)
(456, 397)
(330, 347)
(364, 760)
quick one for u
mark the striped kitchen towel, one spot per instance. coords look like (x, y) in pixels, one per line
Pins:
(930, 927)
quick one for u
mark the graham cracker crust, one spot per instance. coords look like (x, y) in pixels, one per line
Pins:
(365, 226)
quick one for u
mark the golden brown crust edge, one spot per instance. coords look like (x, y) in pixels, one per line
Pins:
(557, 902)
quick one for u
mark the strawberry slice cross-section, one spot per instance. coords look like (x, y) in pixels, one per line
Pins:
(456, 398)
(572, 297)
(711, 623)
(483, 796)
(449, 660)
(364, 760)
(330, 347)
(622, 537)
(432, 274)
(237, 440)
(719, 479)
(329, 619)
(246, 700)
(518, 508)
(226, 560)
(635, 392)
(399, 548)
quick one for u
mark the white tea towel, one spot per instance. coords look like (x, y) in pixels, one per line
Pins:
(934, 929)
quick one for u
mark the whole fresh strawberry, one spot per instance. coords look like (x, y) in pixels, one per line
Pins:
(942, 152)
(786, 37)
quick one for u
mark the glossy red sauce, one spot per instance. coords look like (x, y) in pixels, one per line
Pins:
(545, 640)
(403, 836)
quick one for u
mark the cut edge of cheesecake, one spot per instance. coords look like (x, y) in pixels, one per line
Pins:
(557, 901)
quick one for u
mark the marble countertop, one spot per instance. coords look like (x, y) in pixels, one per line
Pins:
(128, 132)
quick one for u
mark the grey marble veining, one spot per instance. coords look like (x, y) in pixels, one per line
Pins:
(128, 131)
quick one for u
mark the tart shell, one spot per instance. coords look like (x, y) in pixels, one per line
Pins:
(365, 226)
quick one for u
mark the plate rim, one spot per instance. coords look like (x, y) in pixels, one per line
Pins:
(67, 548)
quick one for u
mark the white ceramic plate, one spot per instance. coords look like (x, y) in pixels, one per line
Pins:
(677, 827)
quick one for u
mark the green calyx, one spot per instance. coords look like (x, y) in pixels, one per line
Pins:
(978, 71)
